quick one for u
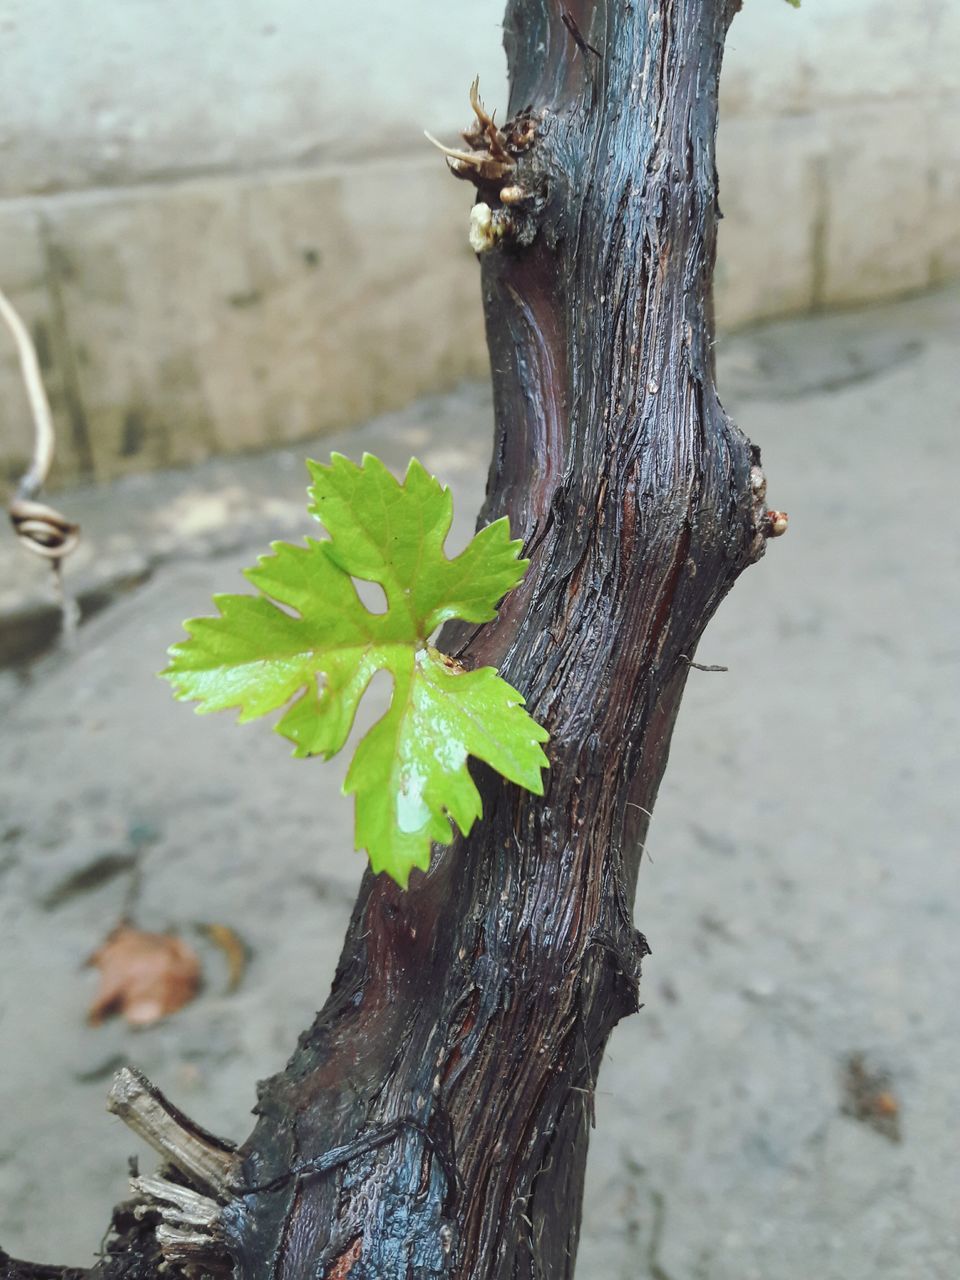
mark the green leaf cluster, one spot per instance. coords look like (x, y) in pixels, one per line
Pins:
(306, 642)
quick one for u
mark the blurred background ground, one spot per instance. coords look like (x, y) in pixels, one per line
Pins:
(785, 1103)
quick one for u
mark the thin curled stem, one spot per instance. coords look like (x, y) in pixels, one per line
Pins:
(44, 437)
(39, 527)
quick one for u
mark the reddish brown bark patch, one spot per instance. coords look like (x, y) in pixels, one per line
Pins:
(344, 1264)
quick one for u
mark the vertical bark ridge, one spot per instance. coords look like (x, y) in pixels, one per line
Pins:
(456, 1057)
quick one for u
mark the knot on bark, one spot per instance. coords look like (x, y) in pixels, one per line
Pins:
(508, 205)
(766, 524)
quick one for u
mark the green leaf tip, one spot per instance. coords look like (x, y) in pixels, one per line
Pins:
(308, 645)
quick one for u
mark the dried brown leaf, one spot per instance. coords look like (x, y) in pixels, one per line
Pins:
(143, 976)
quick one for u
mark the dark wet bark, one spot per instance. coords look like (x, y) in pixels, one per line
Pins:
(433, 1123)
(468, 1017)
(131, 1254)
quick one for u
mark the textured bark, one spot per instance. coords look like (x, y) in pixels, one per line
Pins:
(433, 1123)
(468, 1016)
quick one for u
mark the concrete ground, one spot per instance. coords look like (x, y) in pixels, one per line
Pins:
(785, 1105)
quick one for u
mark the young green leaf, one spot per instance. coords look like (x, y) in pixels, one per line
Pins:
(308, 637)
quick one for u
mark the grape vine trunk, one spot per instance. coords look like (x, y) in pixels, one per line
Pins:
(433, 1123)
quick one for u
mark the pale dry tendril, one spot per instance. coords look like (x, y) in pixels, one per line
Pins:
(39, 527)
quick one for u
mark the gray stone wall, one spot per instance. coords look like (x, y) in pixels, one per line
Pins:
(225, 230)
